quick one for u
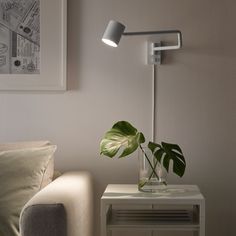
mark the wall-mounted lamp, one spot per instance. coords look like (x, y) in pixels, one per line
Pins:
(112, 36)
(115, 30)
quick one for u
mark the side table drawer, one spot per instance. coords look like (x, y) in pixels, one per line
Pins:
(164, 218)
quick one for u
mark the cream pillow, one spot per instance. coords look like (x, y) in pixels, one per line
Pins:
(49, 173)
(20, 145)
(21, 176)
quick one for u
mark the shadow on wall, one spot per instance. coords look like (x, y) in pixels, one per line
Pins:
(74, 22)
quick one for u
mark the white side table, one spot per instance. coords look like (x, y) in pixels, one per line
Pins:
(178, 207)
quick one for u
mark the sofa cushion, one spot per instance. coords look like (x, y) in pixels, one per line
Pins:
(21, 176)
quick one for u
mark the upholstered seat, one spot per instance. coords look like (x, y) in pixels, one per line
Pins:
(32, 203)
(74, 191)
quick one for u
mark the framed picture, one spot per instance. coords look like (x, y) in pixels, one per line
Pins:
(33, 45)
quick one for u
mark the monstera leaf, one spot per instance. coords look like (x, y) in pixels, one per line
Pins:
(121, 135)
(166, 152)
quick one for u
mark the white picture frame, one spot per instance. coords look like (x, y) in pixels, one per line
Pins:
(53, 53)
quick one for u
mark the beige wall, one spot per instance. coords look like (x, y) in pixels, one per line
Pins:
(196, 97)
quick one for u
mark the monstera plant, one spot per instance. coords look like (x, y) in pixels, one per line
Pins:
(123, 139)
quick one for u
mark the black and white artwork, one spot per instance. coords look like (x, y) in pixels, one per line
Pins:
(19, 36)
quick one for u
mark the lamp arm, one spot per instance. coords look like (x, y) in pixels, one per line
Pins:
(160, 48)
(152, 32)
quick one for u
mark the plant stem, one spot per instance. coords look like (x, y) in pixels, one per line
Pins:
(153, 170)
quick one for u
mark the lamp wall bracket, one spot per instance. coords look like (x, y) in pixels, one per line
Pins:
(154, 57)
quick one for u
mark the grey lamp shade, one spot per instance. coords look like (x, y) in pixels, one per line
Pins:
(113, 33)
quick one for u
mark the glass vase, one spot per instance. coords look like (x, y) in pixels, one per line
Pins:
(152, 175)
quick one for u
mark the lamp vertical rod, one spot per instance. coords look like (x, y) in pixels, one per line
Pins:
(154, 88)
(154, 75)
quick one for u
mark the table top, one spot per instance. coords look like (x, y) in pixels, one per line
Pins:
(170, 194)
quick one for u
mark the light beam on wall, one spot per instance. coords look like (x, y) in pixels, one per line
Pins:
(112, 36)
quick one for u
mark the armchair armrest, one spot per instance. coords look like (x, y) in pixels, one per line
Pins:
(74, 191)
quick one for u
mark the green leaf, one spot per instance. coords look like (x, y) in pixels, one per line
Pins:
(179, 168)
(124, 135)
(157, 150)
(180, 156)
(158, 154)
(166, 162)
(173, 147)
(153, 146)
(178, 159)
(166, 152)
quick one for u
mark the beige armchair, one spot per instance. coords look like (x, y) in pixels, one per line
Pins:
(73, 190)
(31, 204)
